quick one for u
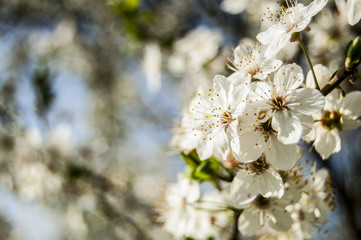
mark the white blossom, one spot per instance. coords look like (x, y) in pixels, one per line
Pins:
(265, 214)
(257, 137)
(178, 213)
(254, 178)
(194, 50)
(249, 63)
(216, 116)
(340, 113)
(291, 108)
(293, 19)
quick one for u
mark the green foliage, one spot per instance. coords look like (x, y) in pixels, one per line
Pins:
(134, 18)
(202, 170)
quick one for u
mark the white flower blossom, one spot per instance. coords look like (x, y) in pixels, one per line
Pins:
(320, 193)
(254, 178)
(339, 114)
(291, 108)
(293, 19)
(249, 63)
(265, 214)
(196, 48)
(178, 213)
(216, 116)
(183, 139)
(257, 137)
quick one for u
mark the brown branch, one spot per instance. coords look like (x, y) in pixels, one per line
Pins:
(235, 232)
(341, 75)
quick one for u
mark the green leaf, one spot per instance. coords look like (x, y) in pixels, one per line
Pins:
(208, 170)
(192, 160)
(353, 53)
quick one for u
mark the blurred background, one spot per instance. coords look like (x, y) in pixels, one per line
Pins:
(90, 92)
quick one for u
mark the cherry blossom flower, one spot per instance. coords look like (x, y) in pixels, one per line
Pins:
(249, 63)
(257, 137)
(216, 117)
(183, 139)
(320, 193)
(254, 178)
(339, 114)
(293, 19)
(291, 108)
(178, 213)
(267, 214)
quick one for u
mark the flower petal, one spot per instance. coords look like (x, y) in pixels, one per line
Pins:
(289, 127)
(350, 105)
(270, 184)
(327, 142)
(248, 223)
(323, 74)
(284, 221)
(276, 38)
(282, 156)
(252, 145)
(306, 101)
(288, 78)
(243, 188)
(353, 11)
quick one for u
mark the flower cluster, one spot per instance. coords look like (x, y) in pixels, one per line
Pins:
(251, 122)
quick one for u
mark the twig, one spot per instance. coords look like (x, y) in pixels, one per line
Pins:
(341, 75)
(235, 232)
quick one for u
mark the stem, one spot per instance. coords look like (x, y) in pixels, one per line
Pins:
(310, 63)
(235, 231)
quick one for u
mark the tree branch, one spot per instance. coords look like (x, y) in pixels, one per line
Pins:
(341, 75)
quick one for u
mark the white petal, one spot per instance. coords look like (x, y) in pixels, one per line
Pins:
(353, 11)
(306, 101)
(276, 38)
(350, 105)
(237, 102)
(270, 184)
(222, 142)
(284, 221)
(348, 124)
(248, 223)
(315, 7)
(287, 78)
(243, 188)
(282, 156)
(323, 74)
(327, 142)
(289, 128)
(224, 87)
(205, 148)
(252, 145)
(270, 65)
(233, 6)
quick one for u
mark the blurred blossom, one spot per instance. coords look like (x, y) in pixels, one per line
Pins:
(194, 50)
(152, 65)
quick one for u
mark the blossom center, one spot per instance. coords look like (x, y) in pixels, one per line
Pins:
(226, 119)
(259, 166)
(278, 103)
(331, 120)
(262, 202)
(266, 129)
